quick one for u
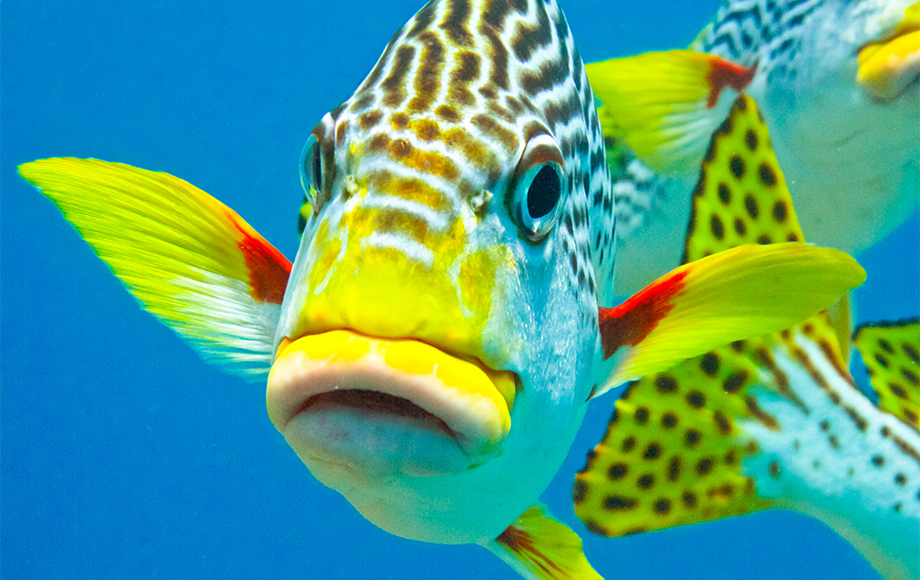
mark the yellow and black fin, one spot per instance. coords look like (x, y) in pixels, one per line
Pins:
(674, 448)
(891, 352)
(540, 548)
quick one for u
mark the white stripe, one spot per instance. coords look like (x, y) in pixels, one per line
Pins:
(408, 247)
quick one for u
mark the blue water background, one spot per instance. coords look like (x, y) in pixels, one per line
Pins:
(125, 456)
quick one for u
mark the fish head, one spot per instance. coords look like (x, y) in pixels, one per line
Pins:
(438, 333)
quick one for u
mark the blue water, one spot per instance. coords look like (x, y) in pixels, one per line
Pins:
(125, 456)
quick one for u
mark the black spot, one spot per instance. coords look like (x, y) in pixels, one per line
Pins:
(578, 491)
(618, 502)
(779, 211)
(689, 499)
(646, 481)
(734, 382)
(750, 204)
(641, 415)
(662, 506)
(704, 466)
(617, 471)
(910, 375)
(740, 228)
(764, 240)
(665, 384)
(878, 460)
(825, 425)
(885, 345)
(692, 437)
(767, 175)
(751, 139)
(628, 444)
(669, 420)
(722, 423)
(709, 364)
(653, 451)
(696, 399)
(737, 166)
(674, 469)
(725, 193)
(731, 457)
(900, 479)
(881, 360)
(911, 352)
(718, 229)
(774, 469)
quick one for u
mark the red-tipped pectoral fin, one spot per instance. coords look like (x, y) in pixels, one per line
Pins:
(189, 260)
(732, 295)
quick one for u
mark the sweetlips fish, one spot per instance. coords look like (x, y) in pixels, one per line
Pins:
(448, 315)
(775, 421)
(836, 82)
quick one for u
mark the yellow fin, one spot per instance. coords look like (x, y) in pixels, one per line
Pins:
(673, 450)
(540, 548)
(890, 351)
(190, 260)
(665, 105)
(732, 295)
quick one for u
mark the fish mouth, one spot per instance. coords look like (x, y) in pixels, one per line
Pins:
(889, 67)
(347, 402)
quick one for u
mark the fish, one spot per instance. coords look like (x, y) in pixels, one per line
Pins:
(433, 345)
(837, 83)
(776, 421)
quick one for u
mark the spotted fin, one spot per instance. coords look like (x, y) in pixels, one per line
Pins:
(540, 548)
(674, 448)
(665, 105)
(890, 351)
(188, 259)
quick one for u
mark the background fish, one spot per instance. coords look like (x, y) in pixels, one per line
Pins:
(837, 84)
(770, 422)
(223, 98)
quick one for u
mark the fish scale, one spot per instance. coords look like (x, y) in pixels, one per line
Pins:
(447, 98)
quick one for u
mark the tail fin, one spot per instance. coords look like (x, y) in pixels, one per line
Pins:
(891, 352)
(188, 259)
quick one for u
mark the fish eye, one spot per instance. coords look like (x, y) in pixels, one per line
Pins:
(537, 188)
(311, 169)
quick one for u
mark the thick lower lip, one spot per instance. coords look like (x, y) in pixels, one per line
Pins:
(393, 406)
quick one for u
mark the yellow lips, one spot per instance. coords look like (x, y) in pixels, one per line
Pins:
(473, 400)
(888, 66)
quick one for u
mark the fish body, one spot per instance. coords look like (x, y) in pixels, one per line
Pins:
(836, 83)
(773, 421)
(433, 345)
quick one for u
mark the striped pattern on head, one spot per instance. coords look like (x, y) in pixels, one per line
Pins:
(468, 96)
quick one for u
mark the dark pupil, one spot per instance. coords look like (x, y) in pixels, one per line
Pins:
(317, 175)
(543, 193)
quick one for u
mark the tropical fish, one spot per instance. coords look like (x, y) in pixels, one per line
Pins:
(434, 344)
(836, 82)
(774, 421)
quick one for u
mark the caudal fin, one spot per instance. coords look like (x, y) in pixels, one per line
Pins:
(188, 259)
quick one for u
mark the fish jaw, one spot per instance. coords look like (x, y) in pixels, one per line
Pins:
(889, 66)
(347, 403)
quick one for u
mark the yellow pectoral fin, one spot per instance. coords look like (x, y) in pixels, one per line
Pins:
(665, 105)
(190, 260)
(540, 548)
(735, 294)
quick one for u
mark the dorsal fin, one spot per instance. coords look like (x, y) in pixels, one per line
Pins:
(673, 450)
(891, 352)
